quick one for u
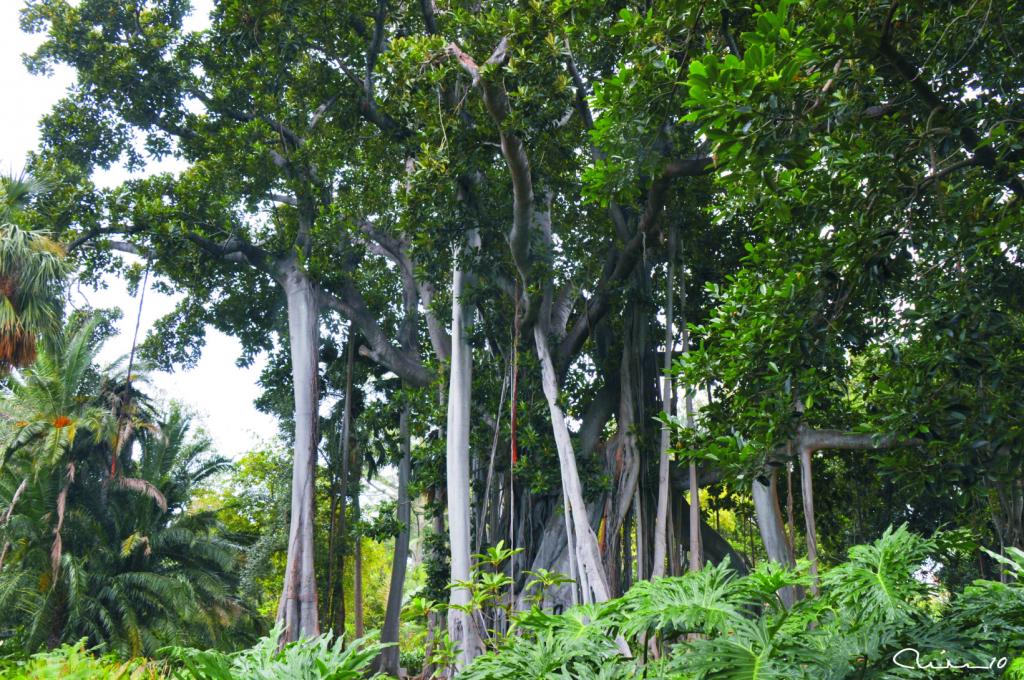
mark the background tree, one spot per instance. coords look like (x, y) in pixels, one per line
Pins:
(119, 559)
(31, 271)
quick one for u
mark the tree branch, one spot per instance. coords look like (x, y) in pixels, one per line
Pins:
(236, 250)
(599, 302)
(376, 45)
(583, 108)
(101, 231)
(287, 133)
(322, 110)
(284, 198)
(816, 440)
(429, 19)
(948, 170)
(131, 249)
(983, 154)
(514, 152)
(350, 304)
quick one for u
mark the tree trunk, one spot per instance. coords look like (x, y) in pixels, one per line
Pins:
(340, 615)
(626, 472)
(715, 547)
(696, 544)
(773, 531)
(808, 441)
(332, 540)
(357, 555)
(661, 514)
(298, 606)
(588, 554)
(627, 555)
(389, 632)
(641, 537)
(790, 521)
(578, 585)
(807, 491)
(628, 422)
(675, 567)
(485, 502)
(680, 526)
(769, 521)
(461, 627)
(434, 618)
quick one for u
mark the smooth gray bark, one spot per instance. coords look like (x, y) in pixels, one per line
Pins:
(772, 529)
(588, 554)
(807, 442)
(807, 493)
(696, 543)
(346, 453)
(298, 605)
(461, 627)
(661, 513)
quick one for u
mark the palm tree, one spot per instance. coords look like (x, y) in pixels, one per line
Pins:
(43, 413)
(31, 268)
(152, 574)
(113, 556)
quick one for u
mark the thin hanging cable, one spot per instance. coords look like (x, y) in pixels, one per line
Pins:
(138, 322)
(121, 428)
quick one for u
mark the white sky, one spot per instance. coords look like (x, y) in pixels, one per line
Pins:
(221, 393)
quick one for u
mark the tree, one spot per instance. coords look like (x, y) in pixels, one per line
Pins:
(32, 268)
(578, 161)
(121, 560)
(259, 214)
(862, 247)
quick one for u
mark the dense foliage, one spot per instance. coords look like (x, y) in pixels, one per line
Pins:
(31, 268)
(100, 541)
(599, 291)
(322, 658)
(877, 616)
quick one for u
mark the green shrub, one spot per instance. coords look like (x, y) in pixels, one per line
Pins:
(412, 659)
(716, 624)
(319, 658)
(75, 662)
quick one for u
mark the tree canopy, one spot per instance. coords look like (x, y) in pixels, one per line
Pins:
(614, 290)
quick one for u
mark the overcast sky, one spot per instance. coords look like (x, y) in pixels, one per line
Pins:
(220, 392)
